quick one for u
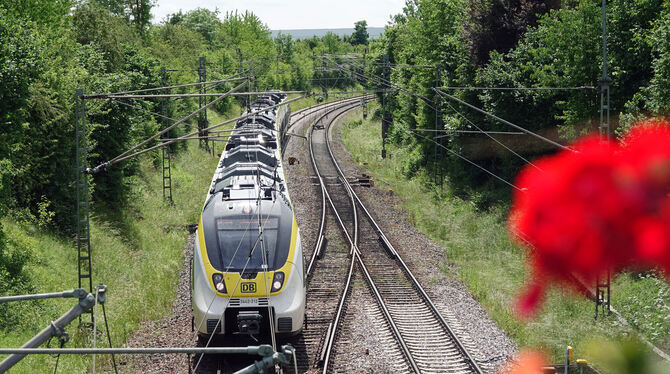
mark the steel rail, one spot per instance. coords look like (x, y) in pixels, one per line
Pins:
(356, 257)
(406, 269)
(327, 347)
(346, 103)
(321, 304)
(366, 273)
(321, 234)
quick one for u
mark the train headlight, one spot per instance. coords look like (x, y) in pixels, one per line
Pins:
(219, 284)
(277, 281)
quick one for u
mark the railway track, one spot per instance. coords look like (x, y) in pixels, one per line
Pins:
(422, 334)
(328, 281)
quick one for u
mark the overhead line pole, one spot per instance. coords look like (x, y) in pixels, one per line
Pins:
(202, 101)
(603, 282)
(83, 236)
(166, 161)
(387, 118)
(438, 126)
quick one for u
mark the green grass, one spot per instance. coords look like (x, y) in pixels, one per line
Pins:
(493, 267)
(137, 252)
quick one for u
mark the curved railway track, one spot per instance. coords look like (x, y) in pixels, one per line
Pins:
(424, 336)
(328, 281)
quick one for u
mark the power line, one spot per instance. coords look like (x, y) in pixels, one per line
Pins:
(114, 160)
(504, 121)
(211, 94)
(470, 162)
(388, 82)
(126, 156)
(471, 132)
(580, 88)
(494, 139)
(104, 95)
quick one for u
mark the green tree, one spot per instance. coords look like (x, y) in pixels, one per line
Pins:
(96, 25)
(498, 25)
(140, 13)
(201, 20)
(285, 46)
(360, 35)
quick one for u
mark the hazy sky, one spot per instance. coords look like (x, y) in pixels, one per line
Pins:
(295, 14)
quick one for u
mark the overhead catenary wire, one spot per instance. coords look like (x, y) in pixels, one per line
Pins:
(127, 156)
(148, 111)
(470, 162)
(382, 80)
(104, 95)
(463, 88)
(211, 94)
(207, 87)
(153, 137)
(448, 132)
(443, 94)
(494, 139)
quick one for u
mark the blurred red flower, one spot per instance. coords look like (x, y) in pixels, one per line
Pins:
(529, 362)
(602, 206)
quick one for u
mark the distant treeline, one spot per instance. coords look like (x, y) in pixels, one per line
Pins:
(374, 32)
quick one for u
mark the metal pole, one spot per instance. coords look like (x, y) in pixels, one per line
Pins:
(277, 72)
(54, 329)
(385, 111)
(603, 289)
(437, 165)
(84, 266)
(167, 162)
(324, 82)
(252, 350)
(365, 61)
(202, 115)
(605, 82)
(78, 293)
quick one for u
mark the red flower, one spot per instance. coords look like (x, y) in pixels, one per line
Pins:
(605, 206)
(529, 362)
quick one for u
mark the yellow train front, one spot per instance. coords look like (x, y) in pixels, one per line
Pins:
(248, 266)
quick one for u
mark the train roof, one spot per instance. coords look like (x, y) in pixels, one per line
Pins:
(250, 166)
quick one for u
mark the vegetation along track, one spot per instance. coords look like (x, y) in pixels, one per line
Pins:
(423, 335)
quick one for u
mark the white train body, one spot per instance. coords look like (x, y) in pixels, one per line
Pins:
(248, 265)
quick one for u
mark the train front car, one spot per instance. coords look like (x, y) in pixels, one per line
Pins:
(248, 266)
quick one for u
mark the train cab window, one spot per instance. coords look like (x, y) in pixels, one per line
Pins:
(239, 236)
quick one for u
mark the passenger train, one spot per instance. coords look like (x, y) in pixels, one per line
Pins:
(248, 267)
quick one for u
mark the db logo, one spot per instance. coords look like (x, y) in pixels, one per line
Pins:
(248, 287)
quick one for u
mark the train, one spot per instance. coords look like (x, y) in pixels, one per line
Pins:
(248, 270)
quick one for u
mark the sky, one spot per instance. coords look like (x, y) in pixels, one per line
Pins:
(295, 14)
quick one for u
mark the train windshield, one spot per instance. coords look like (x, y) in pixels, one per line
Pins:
(240, 237)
